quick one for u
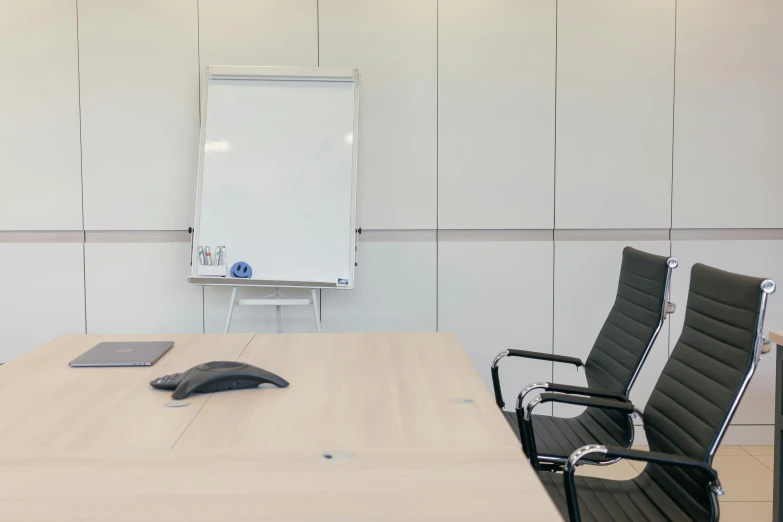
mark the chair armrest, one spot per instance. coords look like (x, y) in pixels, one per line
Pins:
(546, 357)
(607, 404)
(528, 355)
(665, 459)
(662, 458)
(567, 388)
(583, 390)
(525, 416)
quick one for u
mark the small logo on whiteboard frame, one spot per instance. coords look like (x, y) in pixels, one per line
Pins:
(342, 282)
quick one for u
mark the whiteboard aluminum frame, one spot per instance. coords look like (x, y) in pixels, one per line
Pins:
(240, 72)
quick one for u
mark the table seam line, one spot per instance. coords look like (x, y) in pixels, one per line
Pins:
(185, 429)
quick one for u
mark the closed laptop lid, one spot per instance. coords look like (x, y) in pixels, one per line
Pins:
(124, 353)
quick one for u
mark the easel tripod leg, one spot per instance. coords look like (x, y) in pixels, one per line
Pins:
(315, 311)
(278, 312)
(231, 309)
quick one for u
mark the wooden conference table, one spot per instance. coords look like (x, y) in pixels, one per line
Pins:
(412, 433)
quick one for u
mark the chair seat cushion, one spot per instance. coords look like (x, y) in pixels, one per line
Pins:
(602, 500)
(560, 436)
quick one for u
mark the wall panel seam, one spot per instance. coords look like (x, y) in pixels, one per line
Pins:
(81, 161)
(437, 161)
(674, 101)
(554, 198)
(386, 235)
(318, 32)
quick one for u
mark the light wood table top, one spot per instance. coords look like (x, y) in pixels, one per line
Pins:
(46, 404)
(776, 337)
(412, 431)
(355, 391)
(293, 486)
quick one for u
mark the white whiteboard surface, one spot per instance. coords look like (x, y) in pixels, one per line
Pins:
(277, 180)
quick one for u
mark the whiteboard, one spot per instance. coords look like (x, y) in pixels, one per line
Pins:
(277, 174)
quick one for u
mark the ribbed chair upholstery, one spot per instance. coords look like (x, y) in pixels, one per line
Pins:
(687, 414)
(611, 367)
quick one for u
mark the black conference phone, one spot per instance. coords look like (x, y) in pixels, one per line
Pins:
(216, 376)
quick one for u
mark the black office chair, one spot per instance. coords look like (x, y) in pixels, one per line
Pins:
(641, 305)
(686, 416)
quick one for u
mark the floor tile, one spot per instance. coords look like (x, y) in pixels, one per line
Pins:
(735, 451)
(760, 450)
(767, 460)
(744, 479)
(637, 465)
(618, 471)
(745, 511)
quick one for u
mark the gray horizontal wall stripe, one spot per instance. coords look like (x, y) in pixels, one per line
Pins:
(137, 236)
(42, 236)
(657, 234)
(495, 235)
(384, 236)
(380, 236)
(726, 234)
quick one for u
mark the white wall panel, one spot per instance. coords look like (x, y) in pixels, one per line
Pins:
(141, 288)
(42, 285)
(258, 32)
(255, 319)
(586, 279)
(39, 127)
(395, 290)
(496, 114)
(729, 117)
(140, 119)
(497, 295)
(394, 45)
(615, 88)
(753, 258)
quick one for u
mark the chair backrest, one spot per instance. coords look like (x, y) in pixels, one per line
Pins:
(702, 382)
(633, 323)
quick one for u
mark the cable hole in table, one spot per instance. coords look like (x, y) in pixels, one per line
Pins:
(338, 456)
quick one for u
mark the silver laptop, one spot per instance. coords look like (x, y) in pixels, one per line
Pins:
(132, 353)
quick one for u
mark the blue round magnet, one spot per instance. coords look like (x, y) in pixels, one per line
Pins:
(241, 270)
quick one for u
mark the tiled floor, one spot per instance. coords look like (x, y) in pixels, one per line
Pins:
(744, 471)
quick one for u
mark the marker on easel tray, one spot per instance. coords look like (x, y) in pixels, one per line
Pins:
(223, 255)
(201, 259)
(208, 256)
(218, 256)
